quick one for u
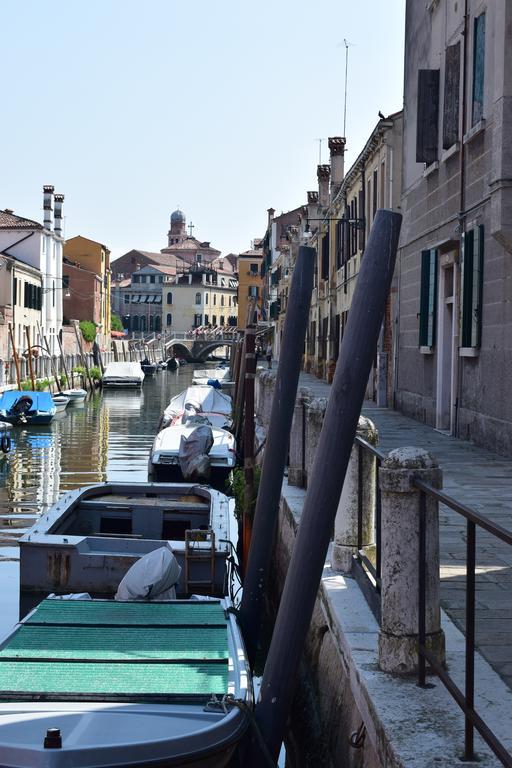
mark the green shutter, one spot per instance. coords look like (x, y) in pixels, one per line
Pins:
(472, 287)
(428, 298)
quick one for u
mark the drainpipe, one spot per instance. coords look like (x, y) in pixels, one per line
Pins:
(462, 216)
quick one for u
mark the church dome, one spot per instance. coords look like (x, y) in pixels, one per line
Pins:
(177, 217)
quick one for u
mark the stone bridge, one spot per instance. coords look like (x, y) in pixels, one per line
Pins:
(191, 347)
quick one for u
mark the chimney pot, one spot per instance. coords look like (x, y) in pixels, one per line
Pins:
(323, 174)
(47, 205)
(337, 150)
(58, 199)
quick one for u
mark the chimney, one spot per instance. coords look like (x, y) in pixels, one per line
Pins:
(312, 210)
(323, 173)
(47, 205)
(59, 199)
(337, 150)
(270, 212)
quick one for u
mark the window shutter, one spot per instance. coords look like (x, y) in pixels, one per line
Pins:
(427, 116)
(428, 298)
(478, 68)
(472, 287)
(325, 256)
(451, 96)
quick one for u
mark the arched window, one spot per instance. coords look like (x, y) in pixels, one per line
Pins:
(169, 297)
(222, 302)
(135, 326)
(169, 319)
(158, 323)
(198, 298)
(142, 323)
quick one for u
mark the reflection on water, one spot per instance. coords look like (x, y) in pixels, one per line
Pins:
(107, 438)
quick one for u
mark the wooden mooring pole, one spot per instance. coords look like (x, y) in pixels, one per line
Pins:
(283, 404)
(250, 372)
(327, 478)
(15, 356)
(29, 349)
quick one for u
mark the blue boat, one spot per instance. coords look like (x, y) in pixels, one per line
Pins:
(27, 407)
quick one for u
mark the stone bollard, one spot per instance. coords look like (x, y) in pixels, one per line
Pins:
(345, 525)
(315, 412)
(298, 437)
(400, 515)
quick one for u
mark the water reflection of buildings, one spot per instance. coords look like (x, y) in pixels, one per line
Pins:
(84, 436)
(33, 479)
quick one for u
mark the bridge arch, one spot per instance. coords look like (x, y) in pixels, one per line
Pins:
(179, 350)
(206, 349)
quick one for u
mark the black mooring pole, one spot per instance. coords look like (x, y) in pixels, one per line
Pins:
(283, 403)
(322, 497)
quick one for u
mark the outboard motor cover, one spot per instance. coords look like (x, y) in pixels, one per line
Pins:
(193, 454)
(153, 577)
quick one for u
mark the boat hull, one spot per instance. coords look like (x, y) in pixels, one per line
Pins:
(91, 537)
(171, 473)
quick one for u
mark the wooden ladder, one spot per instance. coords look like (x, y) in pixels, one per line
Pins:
(196, 554)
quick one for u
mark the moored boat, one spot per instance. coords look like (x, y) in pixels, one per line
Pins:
(76, 395)
(61, 402)
(91, 536)
(148, 367)
(199, 400)
(168, 457)
(98, 684)
(205, 375)
(123, 375)
(24, 407)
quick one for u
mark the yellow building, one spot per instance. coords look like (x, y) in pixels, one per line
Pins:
(250, 282)
(95, 257)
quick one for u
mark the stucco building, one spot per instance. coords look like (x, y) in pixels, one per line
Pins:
(455, 275)
(94, 257)
(250, 282)
(203, 295)
(38, 246)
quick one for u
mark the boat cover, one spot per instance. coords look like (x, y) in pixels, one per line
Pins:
(104, 648)
(153, 577)
(193, 453)
(123, 371)
(198, 399)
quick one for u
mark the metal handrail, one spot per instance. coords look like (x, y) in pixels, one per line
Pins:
(465, 699)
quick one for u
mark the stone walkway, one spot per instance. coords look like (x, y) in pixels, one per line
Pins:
(483, 481)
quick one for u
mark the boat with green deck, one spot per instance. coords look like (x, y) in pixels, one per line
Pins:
(100, 683)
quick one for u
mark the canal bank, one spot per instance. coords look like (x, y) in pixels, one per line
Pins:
(347, 711)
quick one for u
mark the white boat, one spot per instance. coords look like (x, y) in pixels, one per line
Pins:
(164, 459)
(123, 375)
(98, 684)
(76, 395)
(199, 400)
(206, 375)
(61, 402)
(91, 536)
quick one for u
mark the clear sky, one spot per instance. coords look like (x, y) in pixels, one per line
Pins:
(132, 108)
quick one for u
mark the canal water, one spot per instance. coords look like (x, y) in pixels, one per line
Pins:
(107, 438)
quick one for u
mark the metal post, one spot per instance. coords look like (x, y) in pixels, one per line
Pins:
(324, 489)
(283, 404)
(250, 371)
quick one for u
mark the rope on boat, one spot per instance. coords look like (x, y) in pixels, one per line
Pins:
(229, 701)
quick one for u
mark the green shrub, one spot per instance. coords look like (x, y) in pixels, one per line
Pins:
(115, 323)
(63, 380)
(88, 329)
(78, 369)
(26, 385)
(238, 490)
(42, 384)
(96, 374)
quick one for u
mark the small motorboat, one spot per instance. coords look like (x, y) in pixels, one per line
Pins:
(24, 407)
(169, 455)
(211, 375)
(205, 401)
(102, 683)
(123, 375)
(172, 364)
(148, 367)
(61, 401)
(76, 395)
(91, 536)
